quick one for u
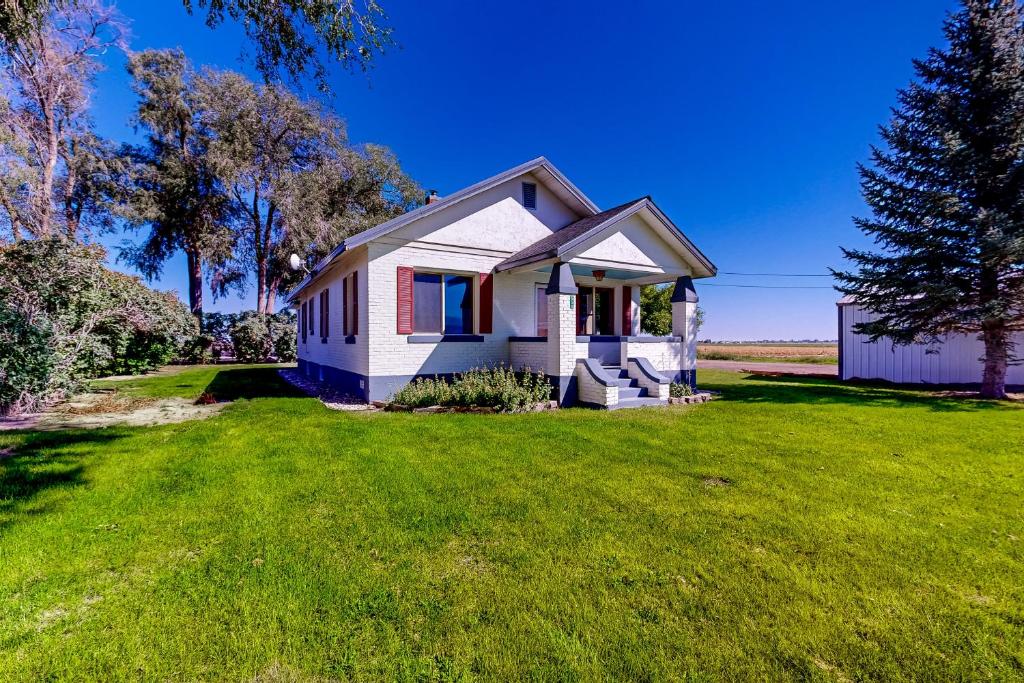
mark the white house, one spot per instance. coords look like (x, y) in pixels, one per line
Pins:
(519, 269)
(955, 359)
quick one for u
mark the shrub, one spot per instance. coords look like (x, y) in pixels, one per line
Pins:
(250, 336)
(61, 303)
(500, 387)
(283, 336)
(26, 361)
(677, 390)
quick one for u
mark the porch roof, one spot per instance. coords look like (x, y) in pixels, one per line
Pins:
(564, 244)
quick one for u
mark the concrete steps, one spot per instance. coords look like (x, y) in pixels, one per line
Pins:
(631, 395)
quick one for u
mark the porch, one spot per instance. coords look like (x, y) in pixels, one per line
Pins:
(589, 339)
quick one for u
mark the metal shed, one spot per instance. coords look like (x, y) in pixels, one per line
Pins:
(957, 359)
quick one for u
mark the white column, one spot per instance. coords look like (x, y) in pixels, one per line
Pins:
(684, 326)
(561, 358)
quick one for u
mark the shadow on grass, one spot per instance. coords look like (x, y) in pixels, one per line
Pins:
(43, 461)
(231, 385)
(790, 389)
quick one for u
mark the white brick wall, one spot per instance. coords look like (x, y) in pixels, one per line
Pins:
(667, 357)
(561, 359)
(592, 391)
(336, 352)
(532, 355)
(391, 353)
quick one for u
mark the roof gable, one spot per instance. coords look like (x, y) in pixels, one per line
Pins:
(576, 239)
(540, 169)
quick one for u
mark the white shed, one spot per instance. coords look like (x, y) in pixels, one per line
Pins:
(957, 359)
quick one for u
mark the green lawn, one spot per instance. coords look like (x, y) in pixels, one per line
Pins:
(793, 529)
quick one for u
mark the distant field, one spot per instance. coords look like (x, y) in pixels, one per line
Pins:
(779, 353)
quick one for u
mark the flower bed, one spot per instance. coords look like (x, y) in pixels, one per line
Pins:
(498, 389)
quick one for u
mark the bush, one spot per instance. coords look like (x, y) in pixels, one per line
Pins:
(26, 361)
(255, 338)
(677, 390)
(501, 388)
(250, 336)
(283, 335)
(60, 303)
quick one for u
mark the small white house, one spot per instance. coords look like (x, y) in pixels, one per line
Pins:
(521, 269)
(957, 359)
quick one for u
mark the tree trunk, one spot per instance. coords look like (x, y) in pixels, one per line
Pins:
(261, 286)
(195, 281)
(993, 383)
(272, 294)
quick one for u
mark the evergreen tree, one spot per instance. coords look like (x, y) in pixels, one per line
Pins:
(947, 195)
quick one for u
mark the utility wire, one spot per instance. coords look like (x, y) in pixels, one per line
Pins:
(711, 284)
(777, 274)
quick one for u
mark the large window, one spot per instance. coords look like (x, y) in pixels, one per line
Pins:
(442, 303)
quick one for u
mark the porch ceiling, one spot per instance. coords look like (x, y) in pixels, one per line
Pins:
(583, 270)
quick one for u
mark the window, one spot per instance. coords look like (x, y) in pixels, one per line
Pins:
(442, 303)
(530, 195)
(303, 317)
(325, 315)
(350, 295)
(541, 307)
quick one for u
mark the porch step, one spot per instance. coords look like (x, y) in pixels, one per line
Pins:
(640, 402)
(621, 376)
(626, 393)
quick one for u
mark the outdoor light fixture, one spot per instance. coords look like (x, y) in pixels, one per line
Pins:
(599, 274)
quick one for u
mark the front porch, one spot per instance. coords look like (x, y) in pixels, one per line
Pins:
(589, 339)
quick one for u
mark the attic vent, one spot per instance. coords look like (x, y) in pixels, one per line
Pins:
(530, 195)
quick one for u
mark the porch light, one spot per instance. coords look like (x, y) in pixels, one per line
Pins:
(599, 275)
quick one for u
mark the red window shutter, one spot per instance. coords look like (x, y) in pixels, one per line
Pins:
(627, 310)
(486, 303)
(405, 302)
(346, 306)
(355, 302)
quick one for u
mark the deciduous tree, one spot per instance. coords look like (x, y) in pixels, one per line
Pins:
(57, 174)
(176, 194)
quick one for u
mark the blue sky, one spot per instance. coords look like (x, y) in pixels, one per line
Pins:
(743, 120)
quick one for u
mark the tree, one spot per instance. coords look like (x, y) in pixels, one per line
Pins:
(284, 32)
(295, 182)
(57, 174)
(176, 192)
(947, 195)
(656, 310)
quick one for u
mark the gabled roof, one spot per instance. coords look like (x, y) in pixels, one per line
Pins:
(561, 243)
(549, 246)
(543, 169)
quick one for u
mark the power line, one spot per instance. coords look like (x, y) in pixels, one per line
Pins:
(710, 284)
(777, 274)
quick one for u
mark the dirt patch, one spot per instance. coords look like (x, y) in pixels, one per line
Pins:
(713, 482)
(104, 402)
(94, 411)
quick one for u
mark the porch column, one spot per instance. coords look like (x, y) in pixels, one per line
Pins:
(561, 356)
(684, 325)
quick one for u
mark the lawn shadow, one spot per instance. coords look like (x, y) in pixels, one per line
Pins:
(790, 389)
(249, 383)
(44, 460)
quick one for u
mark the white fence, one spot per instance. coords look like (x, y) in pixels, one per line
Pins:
(956, 360)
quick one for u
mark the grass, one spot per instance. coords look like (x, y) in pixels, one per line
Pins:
(827, 354)
(794, 529)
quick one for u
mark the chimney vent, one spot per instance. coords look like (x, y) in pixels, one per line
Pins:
(432, 197)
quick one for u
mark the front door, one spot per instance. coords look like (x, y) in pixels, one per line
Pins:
(595, 311)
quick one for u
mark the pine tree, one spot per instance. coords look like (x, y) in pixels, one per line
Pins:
(947, 196)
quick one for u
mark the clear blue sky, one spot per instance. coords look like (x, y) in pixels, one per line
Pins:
(743, 120)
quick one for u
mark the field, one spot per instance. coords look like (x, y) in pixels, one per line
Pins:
(792, 529)
(774, 352)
